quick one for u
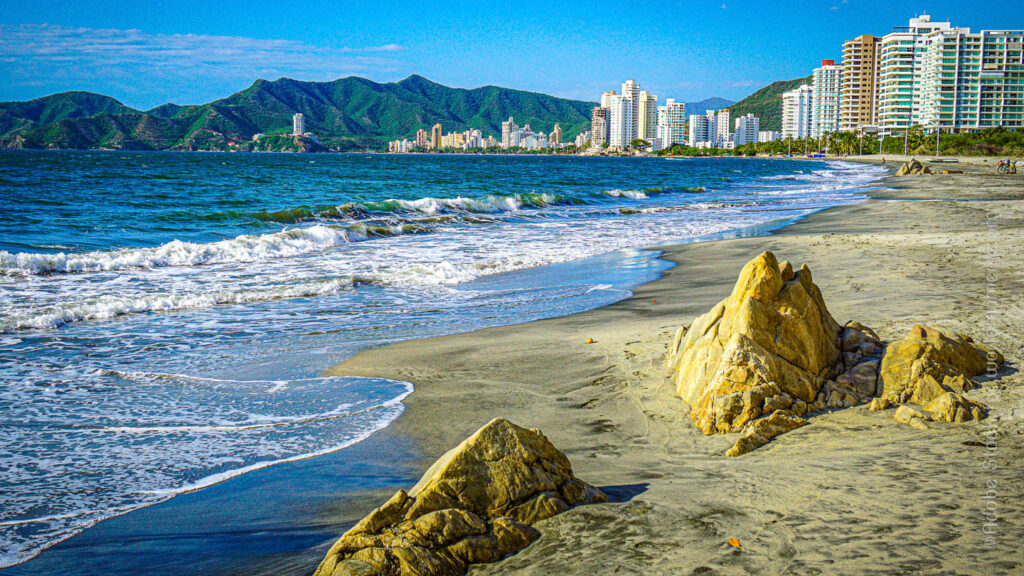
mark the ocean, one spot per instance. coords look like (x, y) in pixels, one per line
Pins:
(164, 317)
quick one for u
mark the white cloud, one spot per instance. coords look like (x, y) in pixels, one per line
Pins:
(83, 56)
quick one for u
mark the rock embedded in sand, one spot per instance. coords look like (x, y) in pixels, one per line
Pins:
(771, 345)
(475, 504)
(761, 431)
(931, 362)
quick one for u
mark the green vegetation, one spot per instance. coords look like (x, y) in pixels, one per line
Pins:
(991, 142)
(766, 103)
(349, 113)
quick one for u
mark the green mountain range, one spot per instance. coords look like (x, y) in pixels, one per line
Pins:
(349, 113)
(346, 114)
(766, 103)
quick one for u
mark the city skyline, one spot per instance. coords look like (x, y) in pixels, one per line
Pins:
(146, 56)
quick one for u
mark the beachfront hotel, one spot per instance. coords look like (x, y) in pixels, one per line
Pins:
(857, 83)
(825, 99)
(933, 75)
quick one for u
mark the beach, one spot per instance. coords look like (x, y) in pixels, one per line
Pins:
(853, 492)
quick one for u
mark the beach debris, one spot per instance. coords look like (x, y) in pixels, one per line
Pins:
(735, 543)
(476, 504)
(771, 347)
(589, 341)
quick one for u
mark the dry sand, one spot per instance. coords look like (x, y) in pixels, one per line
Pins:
(854, 492)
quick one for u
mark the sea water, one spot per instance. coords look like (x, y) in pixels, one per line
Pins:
(164, 316)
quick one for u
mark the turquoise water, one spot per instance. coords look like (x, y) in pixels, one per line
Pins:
(166, 316)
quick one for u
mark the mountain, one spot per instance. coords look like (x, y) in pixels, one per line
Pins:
(766, 103)
(346, 113)
(699, 108)
(21, 116)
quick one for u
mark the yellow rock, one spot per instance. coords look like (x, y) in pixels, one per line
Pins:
(772, 340)
(952, 407)
(879, 404)
(475, 504)
(930, 362)
(761, 431)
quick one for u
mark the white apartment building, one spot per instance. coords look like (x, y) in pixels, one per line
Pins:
(702, 130)
(768, 136)
(971, 81)
(507, 129)
(722, 126)
(671, 129)
(621, 121)
(900, 58)
(647, 116)
(298, 124)
(631, 90)
(825, 105)
(747, 128)
(796, 112)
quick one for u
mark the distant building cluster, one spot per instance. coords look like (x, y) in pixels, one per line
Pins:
(512, 136)
(927, 74)
(634, 114)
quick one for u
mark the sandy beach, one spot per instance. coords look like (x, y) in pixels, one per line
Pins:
(853, 492)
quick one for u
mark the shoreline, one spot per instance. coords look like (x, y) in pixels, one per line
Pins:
(610, 407)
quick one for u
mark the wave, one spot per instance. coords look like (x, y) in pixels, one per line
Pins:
(113, 306)
(244, 248)
(490, 204)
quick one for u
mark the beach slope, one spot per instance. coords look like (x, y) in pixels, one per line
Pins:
(852, 492)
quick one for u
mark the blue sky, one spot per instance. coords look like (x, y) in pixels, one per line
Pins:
(146, 53)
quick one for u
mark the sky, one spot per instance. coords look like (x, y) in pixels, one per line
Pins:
(146, 53)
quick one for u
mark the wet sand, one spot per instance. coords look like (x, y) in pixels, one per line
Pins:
(853, 492)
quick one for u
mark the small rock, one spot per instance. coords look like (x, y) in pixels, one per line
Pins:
(879, 404)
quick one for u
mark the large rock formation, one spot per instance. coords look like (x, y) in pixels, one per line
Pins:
(930, 362)
(771, 345)
(932, 368)
(475, 504)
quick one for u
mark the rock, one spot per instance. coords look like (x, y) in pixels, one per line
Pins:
(761, 431)
(930, 362)
(905, 413)
(879, 404)
(952, 407)
(475, 504)
(926, 170)
(917, 423)
(771, 337)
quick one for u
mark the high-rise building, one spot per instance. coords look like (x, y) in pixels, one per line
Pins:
(971, 81)
(421, 138)
(796, 112)
(825, 106)
(620, 121)
(702, 129)
(672, 123)
(857, 84)
(598, 126)
(722, 126)
(435, 136)
(298, 124)
(899, 74)
(631, 90)
(647, 116)
(556, 135)
(747, 128)
(507, 128)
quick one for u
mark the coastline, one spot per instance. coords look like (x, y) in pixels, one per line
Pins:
(852, 492)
